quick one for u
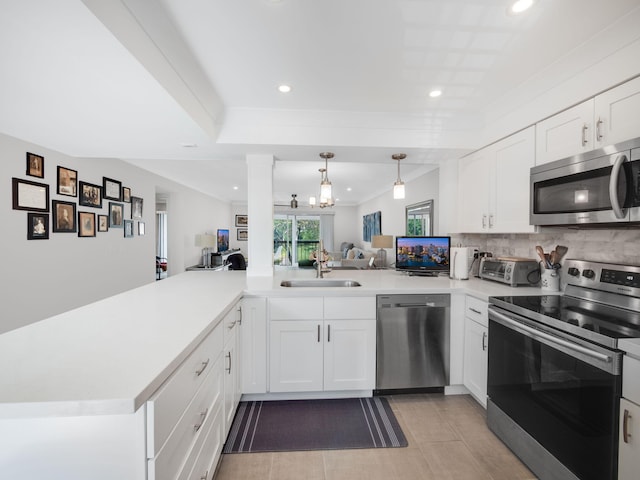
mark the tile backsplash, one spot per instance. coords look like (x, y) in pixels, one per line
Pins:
(604, 245)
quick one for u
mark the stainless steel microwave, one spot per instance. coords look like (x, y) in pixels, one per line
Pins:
(597, 187)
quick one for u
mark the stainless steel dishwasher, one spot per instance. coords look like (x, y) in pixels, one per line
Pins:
(412, 350)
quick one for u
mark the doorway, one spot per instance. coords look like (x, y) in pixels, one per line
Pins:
(295, 238)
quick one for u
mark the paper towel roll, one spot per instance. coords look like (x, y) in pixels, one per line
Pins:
(459, 267)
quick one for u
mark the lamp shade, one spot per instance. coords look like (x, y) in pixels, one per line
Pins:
(398, 191)
(382, 241)
(205, 240)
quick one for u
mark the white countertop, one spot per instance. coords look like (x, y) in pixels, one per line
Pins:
(110, 356)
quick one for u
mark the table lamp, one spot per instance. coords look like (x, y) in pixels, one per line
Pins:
(381, 242)
(206, 241)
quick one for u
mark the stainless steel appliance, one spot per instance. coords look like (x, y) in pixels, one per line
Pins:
(597, 187)
(412, 342)
(513, 271)
(554, 371)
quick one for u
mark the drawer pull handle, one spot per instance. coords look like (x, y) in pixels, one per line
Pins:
(205, 476)
(202, 368)
(475, 311)
(625, 426)
(203, 416)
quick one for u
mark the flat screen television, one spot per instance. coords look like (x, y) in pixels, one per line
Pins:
(223, 240)
(423, 255)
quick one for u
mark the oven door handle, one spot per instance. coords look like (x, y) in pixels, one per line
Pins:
(538, 335)
(613, 186)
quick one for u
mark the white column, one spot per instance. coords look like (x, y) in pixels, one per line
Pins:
(260, 213)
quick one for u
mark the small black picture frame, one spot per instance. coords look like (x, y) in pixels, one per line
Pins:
(67, 182)
(126, 194)
(103, 223)
(242, 234)
(90, 195)
(64, 216)
(37, 226)
(128, 228)
(35, 165)
(116, 215)
(242, 220)
(28, 195)
(136, 207)
(86, 224)
(111, 189)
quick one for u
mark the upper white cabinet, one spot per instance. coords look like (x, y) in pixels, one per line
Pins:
(616, 114)
(568, 133)
(608, 118)
(494, 186)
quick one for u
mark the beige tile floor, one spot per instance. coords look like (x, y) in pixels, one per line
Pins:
(448, 440)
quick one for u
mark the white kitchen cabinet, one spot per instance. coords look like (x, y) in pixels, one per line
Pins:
(494, 186)
(476, 340)
(232, 367)
(567, 133)
(606, 119)
(333, 352)
(616, 116)
(629, 436)
(254, 345)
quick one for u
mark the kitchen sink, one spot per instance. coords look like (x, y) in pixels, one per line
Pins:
(320, 283)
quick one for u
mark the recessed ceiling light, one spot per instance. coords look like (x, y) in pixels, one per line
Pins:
(284, 88)
(520, 6)
(348, 189)
(235, 187)
(435, 93)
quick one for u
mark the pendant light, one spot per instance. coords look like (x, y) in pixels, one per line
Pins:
(325, 185)
(398, 186)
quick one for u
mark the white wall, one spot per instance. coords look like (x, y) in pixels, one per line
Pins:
(47, 277)
(393, 211)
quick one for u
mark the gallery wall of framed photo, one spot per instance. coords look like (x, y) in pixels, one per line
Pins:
(108, 203)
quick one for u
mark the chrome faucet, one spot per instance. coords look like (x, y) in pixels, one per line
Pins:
(319, 255)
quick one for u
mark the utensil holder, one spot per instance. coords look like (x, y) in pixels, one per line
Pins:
(550, 279)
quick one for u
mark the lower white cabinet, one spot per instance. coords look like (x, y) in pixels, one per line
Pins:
(333, 352)
(476, 338)
(629, 437)
(254, 345)
(232, 368)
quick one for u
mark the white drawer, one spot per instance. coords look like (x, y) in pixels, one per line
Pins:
(168, 404)
(168, 461)
(299, 308)
(202, 461)
(477, 310)
(336, 308)
(230, 322)
(631, 379)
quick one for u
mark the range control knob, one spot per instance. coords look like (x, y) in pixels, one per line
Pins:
(589, 274)
(573, 271)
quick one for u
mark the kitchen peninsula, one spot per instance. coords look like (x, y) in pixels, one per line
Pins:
(114, 388)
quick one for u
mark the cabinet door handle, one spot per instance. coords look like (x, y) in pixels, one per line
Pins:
(232, 324)
(203, 416)
(585, 129)
(475, 311)
(490, 221)
(328, 333)
(229, 368)
(202, 368)
(599, 124)
(484, 341)
(205, 476)
(484, 221)
(318, 333)
(239, 316)
(625, 426)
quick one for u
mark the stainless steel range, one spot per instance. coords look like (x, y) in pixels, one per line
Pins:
(555, 373)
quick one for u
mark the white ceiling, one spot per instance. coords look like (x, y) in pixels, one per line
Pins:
(140, 79)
